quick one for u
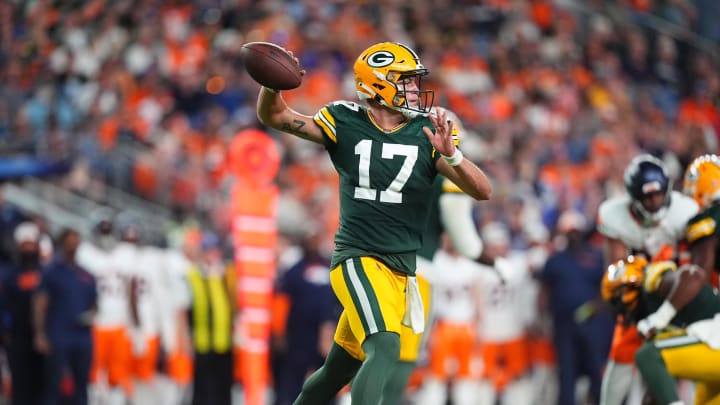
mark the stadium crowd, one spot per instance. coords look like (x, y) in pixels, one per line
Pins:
(555, 100)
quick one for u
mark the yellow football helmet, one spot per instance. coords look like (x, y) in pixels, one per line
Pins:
(702, 180)
(379, 74)
(622, 283)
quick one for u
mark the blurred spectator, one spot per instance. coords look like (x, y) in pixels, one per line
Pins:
(64, 307)
(10, 217)
(582, 326)
(23, 279)
(210, 304)
(305, 316)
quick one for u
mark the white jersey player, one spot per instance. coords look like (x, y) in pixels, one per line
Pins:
(146, 269)
(174, 328)
(111, 354)
(505, 313)
(454, 309)
(650, 220)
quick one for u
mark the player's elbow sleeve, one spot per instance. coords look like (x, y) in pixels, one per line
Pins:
(456, 215)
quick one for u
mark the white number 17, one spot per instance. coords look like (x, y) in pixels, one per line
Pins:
(392, 194)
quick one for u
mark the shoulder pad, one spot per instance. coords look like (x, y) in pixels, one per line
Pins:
(610, 215)
(326, 117)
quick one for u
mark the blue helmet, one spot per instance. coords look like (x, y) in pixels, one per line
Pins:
(647, 175)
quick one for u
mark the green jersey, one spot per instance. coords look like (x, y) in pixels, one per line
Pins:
(386, 182)
(705, 225)
(703, 306)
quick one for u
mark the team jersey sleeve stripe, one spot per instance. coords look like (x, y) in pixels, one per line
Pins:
(326, 121)
(653, 276)
(700, 229)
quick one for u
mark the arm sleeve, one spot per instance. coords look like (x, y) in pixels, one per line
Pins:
(456, 215)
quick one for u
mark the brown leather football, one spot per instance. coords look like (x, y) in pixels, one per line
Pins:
(270, 65)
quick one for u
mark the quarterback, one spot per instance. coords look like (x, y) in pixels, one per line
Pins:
(388, 151)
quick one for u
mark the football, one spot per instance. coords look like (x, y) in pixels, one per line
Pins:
(270, 65)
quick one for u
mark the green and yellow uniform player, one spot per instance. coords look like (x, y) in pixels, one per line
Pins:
(387, 151)
(685, 347)
(702, 183)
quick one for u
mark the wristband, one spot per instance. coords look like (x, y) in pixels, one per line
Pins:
(455, 159)
(270, 90)
(664, 314)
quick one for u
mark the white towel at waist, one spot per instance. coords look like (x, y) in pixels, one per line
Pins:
(414, 312)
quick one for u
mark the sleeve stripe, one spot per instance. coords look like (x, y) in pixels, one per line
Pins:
(328, 116)
(653, 276)
(328, 125)
(700, 229)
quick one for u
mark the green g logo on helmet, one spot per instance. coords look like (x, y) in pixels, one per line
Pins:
(380, 59)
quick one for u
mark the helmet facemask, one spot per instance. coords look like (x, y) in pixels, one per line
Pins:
(649, 217)
(400, 102)
(646, 177)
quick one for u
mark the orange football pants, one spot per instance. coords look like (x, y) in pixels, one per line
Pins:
(451, 341)
(541, 351)
(144, 367)
(179, 367)
(504, 362)
(625, 342)
(112, 353)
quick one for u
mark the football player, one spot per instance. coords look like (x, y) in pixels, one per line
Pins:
(149, 293)
(504, 318)
(454, 280)
(175, 332)
(637, 289)
(111, 344)
(702, 183)
(388, 151)
(649, 220)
